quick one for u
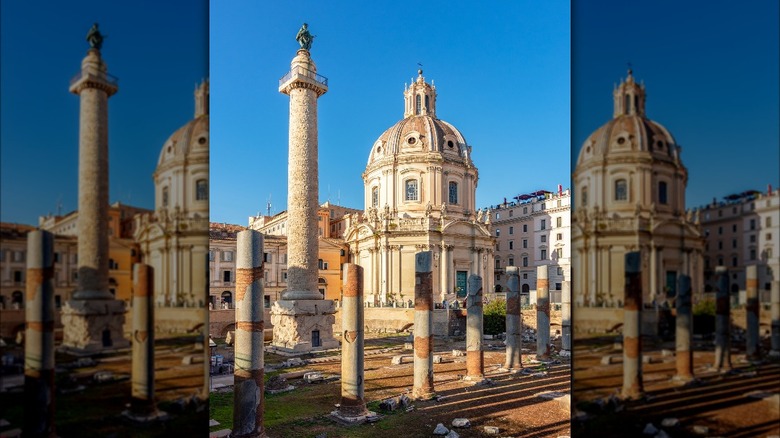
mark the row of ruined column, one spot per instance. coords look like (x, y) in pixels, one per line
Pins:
(632, 349)
(249, 388)
(39, 366)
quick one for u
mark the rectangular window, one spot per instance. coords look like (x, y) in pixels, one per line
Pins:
(720, 244)
(734, 228)
(211, 256)
(560, 270)
(544, 224)
(768, 222)
(525, 228)
(752, 238)
(511, 213)
(752, 254)
(201, 190)
(525, 262)
(525, 243)
(498, 232)
(498, 246)
(558, 286)
(325, 266)
(267, 301)
(733, 261)
(411, 190)
(525, 276)
(752, 224)
(559, 236)
(17, 276)
(559, 222)
(226, 276)
(559, 252)
(544, 239)
(733, 243)
(543, 254)
(720, 230)
(227, 256)
(498, 264)
(511, 244)
(267, 257)
(511, 261)
(511, 230)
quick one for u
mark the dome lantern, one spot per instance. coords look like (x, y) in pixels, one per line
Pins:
(629, 97)
(420, 98)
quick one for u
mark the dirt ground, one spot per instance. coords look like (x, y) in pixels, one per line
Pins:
(95, 410)
(721, 403)
(510, 403)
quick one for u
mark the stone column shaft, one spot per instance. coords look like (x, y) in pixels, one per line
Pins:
(514, 322)
(684, 329)
(423, 327)
(542, 313)
(302, 180)
(722, 321)
(475, 360)
(632, 324)
(142, 401)
(94, 89)
(39, 336)
(566, 316)
(775, 314)
(353, 402)
(752, 349)
(249, 388)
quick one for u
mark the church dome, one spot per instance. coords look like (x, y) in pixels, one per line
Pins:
(420, 131)
(629, 131)
(181, 176)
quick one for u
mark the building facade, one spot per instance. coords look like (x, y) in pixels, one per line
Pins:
(533, 230)
(420, 186)
(739, 231)
(629, 185)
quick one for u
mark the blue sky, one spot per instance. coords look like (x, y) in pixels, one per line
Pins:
(158, 50)
(711, 72)
(501, 72)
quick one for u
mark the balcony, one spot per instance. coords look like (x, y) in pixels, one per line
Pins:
(113, 80)
(301, 72)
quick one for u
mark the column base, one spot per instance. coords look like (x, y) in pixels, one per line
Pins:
(347, 420)
(145, 417)
(303, 326)
(94, 326)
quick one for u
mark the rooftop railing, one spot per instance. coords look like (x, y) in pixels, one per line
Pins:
(300, 71)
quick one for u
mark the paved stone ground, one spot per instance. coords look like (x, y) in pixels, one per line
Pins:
(721, 403)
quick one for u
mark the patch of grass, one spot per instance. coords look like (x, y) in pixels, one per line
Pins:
(221, 410)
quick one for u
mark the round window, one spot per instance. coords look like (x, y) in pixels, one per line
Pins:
(450, 144)
(621, 140)
(202, 140)
(411, 140)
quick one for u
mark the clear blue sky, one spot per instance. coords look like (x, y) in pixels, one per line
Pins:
(158, 50)
(712, 76)
(501, 72)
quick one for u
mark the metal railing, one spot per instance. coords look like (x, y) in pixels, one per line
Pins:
(113, 80)
(300, 71)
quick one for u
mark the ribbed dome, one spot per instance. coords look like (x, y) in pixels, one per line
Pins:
(629, 133)
(189, 140)
(419, 134)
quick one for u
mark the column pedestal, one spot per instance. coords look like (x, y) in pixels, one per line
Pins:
(299, 324)
(94, 326)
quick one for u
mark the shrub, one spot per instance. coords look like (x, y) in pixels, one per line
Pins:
(494, 318)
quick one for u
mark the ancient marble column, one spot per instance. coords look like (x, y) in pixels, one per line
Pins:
(775, 314)
(142, 381)
(722, 321)
(94, 87)
(514, 322)
(248, 387)
(39, 336)
(475, 360)
(304, 88)
(752, 349)
(353, 404)
(684, 330)
(632, 324)
(566, 318)
(542, 313)
(423, 327)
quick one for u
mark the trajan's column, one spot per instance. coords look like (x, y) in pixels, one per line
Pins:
(302, 319)
(93, 319)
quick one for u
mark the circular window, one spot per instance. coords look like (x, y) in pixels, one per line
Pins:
(202, 140)
(660, 145)
(587, 149)
(378, 149)
(621, 140)
(169, 149)
(411, 140)
(450, 144)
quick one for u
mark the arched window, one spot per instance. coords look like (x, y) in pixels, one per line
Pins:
(628, 103)
(201, 190)
(453, 192)
(621, 190)
(411, 190)
(17, 298)
(418, 105)
(427, 108)
(526, 289)
(165, 196)
(227, 297)
(584, 196)
(375, 196)
(662, 192)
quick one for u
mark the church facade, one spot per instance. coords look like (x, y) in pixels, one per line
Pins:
(420, 184)
(629, 189)
(174, 239)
